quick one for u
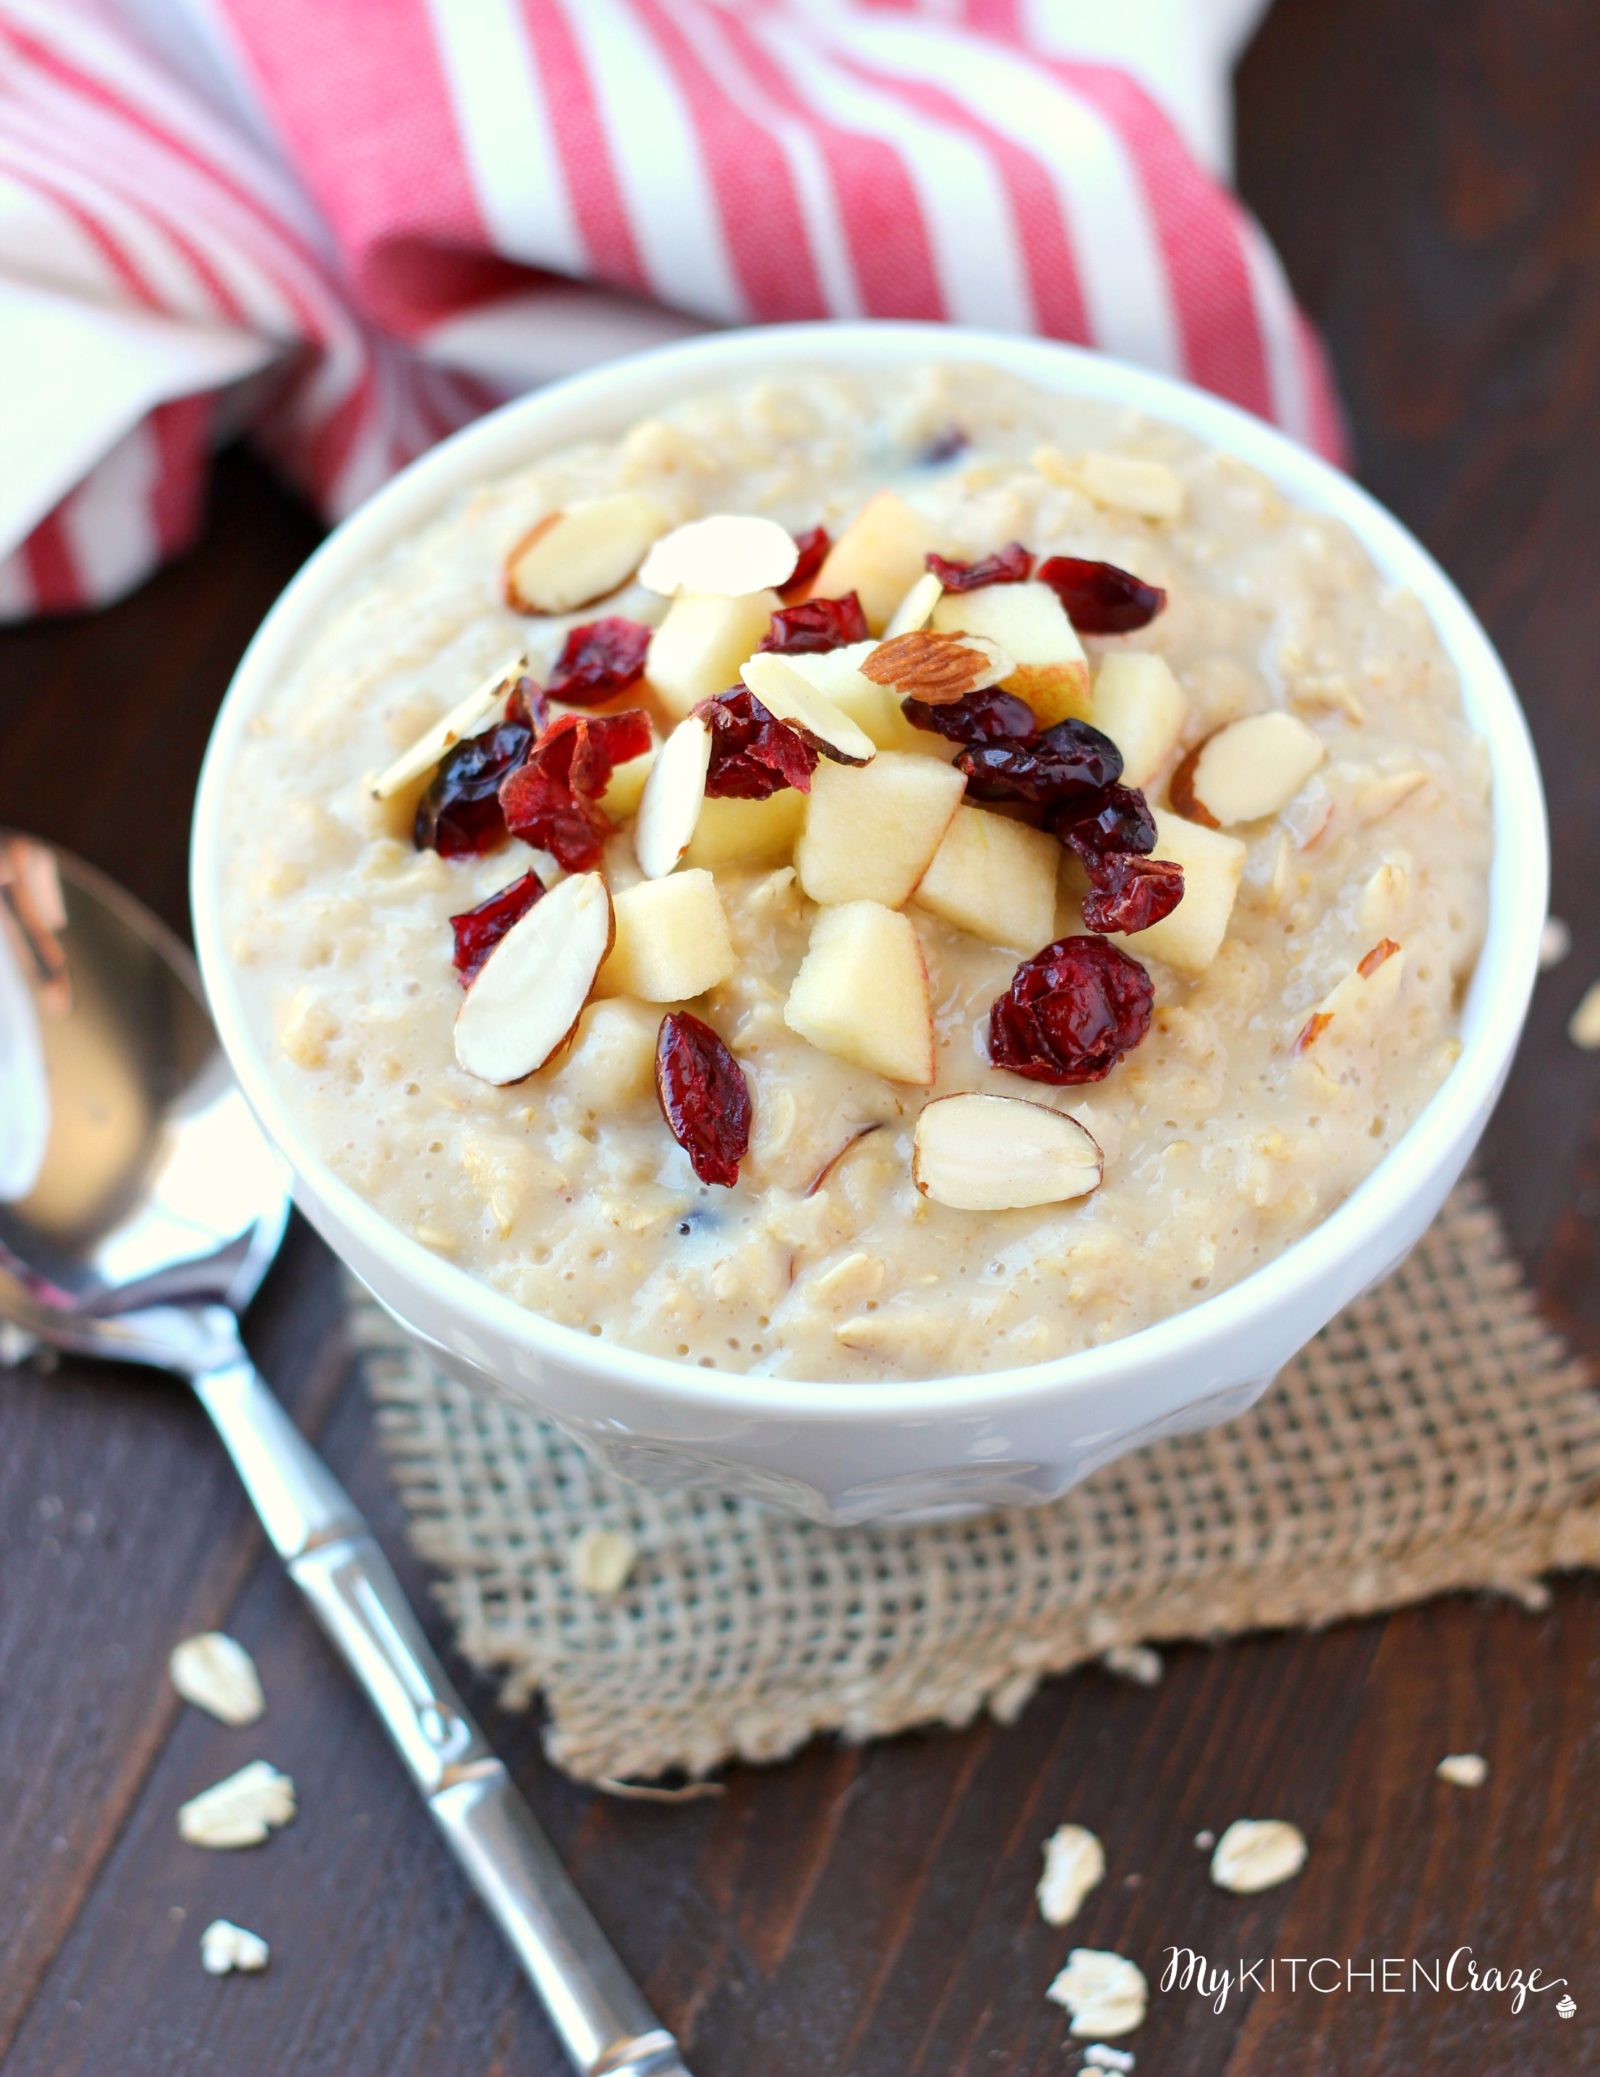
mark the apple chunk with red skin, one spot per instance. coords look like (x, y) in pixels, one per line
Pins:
(861, 992)
(871, 830)
(1049, 668)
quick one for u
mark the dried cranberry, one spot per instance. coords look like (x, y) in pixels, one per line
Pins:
(1059, 762)
(552, 801)
(599, 661)
(526, 703)
(460, 813)
(1071, 1012)
(1128, 892)
(944, 447)
(1119, 819)
(813, 546)
(816, 624)
(991, 716)
(479, 930)
(753, 754)
(705, 1098)
(1011, 565)
(1099, 598)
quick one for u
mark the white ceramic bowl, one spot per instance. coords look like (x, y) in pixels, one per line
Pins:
(854, 1452)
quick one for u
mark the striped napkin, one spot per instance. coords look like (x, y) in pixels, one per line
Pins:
(350, 226)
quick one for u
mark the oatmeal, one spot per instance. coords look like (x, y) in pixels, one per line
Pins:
(863, 877)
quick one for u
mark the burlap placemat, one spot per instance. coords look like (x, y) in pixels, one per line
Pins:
(1436, 1436)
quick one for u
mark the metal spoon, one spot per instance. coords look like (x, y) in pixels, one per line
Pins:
(139, 1210)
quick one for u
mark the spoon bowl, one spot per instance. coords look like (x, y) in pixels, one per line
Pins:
(131, 1170)
(139, 1209)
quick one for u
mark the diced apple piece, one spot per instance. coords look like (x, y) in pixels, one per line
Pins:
(871, 832)
(879, 556)
(862, 992)
(1138, 703)
(1049, 668)
(574, 557)
(703, 639)
(1246, 771)
(998, 1153)
(748, 833)
(625, 787)
(995, 878)
(612, 1059)
(734, 553)
(673, 797)
(916, 608)
(527, 997)
(672, 940)
(1191, 937)
(788, 695)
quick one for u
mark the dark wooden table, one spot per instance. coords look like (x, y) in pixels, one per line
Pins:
(1431, 172)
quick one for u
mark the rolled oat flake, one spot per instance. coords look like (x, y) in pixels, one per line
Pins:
(1257, 1853)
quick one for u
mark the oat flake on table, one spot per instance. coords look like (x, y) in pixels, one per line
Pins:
(217, 1674)
(1583, 1027)
(1074, 1861)
(225, 1947)
(1104, 1992)
(1257, 1853)
(239, 1811)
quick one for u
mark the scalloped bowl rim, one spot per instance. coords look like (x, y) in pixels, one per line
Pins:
(604, 402)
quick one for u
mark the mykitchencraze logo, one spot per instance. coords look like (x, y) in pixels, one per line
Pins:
(1452, 1975)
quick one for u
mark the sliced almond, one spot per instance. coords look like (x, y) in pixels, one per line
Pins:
(997, 1153)
(526, 1001)
(787, 697)
(916, 608)
(464, 719)
(240, 1811)
(938, 669)
(1351, 1008)
(673, 796)
(731, 553)
(573, 557)
(219, 1676)
(1120, 482)
(1246, 771)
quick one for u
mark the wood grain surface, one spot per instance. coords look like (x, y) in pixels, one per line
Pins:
(1430, 170)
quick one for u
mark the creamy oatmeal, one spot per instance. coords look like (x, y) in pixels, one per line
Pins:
(1263, 970)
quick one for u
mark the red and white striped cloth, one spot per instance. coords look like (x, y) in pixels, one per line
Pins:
(352, 224)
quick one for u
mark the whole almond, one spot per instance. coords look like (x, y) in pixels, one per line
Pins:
(937, 669)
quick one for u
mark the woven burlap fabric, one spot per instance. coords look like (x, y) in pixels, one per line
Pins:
(1437, 1436)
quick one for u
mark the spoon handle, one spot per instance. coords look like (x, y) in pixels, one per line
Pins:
(600, 2015)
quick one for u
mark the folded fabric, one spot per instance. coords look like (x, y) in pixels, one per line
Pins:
(352, 226)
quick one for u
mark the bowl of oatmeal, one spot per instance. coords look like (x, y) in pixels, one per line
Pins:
(870, 915)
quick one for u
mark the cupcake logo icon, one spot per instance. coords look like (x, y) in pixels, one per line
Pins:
(1566, 2006)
